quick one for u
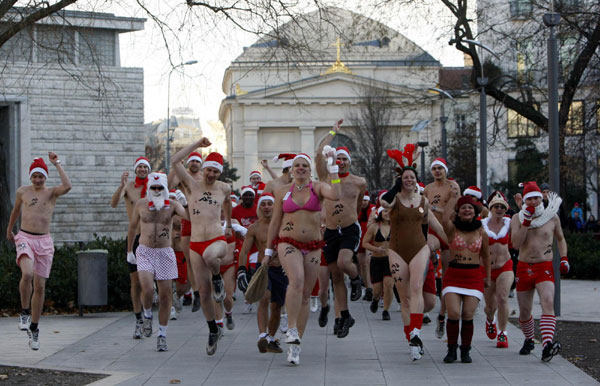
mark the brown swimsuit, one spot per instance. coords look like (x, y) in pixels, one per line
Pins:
(407, 235)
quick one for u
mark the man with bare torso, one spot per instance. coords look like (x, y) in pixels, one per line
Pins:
(533, 230)
(208, 245)
(35, 248)
(285, 177)
(442, 195)
(342, 233)
(131, 192)
(194, 169)
(154, 257)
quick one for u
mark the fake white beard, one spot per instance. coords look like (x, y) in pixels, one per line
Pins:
(158, 198)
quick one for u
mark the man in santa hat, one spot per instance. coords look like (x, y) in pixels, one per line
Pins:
(34, 204)
(342, 230)
(155, 259)
(131, 192)
(208, 245)
(442, 194)
(194, 169)
(533, 230)
(285, 178)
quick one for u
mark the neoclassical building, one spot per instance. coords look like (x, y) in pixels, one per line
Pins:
(286, 90)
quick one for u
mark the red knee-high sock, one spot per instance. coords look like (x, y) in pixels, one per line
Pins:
(315, 291)
(466, 332)
(527, 327)
(407, 332)
(452, 328)
(547, 326)
(416, 321)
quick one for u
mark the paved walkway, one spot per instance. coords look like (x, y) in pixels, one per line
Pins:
(375, 352)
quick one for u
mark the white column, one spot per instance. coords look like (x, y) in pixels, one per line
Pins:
(251, 161)
(307, 140)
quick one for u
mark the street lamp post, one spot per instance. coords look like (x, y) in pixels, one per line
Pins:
(169, 134)
(423, 145)
(443, 120)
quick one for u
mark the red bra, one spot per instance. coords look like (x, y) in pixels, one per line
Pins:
(501, 237)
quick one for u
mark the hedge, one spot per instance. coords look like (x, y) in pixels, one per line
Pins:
(584, 256)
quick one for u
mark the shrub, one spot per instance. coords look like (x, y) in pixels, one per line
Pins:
(583, 256)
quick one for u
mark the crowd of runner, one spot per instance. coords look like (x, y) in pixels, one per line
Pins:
(193, 242)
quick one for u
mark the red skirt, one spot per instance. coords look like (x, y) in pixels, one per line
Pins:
(463, 279)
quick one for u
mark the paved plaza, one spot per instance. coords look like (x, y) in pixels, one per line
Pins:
(375, 352)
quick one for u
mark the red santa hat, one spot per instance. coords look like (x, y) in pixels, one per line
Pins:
(467, 200)
(38, 166)
(384, 191)
(255, 173)
(288, 159)
(302, 155)
(246, 189)
(142, 161)
(440, 161)
(233, 197)
(344, 151)
(194, 156)
(531, 189)
(214, 160)
(260, 188)
(265, 197)
(366, 197)
(473, 191)
(421, 187)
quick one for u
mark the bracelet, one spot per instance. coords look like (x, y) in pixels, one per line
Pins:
(333, 133)
(335, 181)
(57, 162)
(269, 252)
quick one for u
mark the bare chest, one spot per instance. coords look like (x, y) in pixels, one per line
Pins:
(38, 202)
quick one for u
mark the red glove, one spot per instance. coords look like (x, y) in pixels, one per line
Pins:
(564, 265)
(527, 215)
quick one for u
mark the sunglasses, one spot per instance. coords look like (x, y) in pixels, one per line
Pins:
(498, 206)
(158, 188)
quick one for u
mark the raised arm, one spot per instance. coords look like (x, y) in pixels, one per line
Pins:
(14, 215)
(181, 154)
(64, 179)
(518, 231)
(265, 165)
(366, 244)
(180, 210)
(172, 179)
(320, 161)
(227, 210)
(120, 192)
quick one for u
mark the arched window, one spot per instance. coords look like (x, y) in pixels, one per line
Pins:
(343, 140)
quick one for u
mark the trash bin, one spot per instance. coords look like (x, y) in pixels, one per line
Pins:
(92, 286)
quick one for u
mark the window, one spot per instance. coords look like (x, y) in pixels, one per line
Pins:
(19, 47)
(97, 46)
(524, 60)
(56, 44)
(460, 122)
(521, 127)
(520, 8)
(574, 124)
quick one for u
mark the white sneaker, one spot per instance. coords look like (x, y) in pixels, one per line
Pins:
(415, 352)
(292, 336)
(177, 303)
(173, 315)
(294, 354)
(247, 308)
(24, 322)
(283, 323)
(314, 304)
(34, 339)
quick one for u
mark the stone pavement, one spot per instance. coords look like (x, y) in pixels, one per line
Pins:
(375, 352)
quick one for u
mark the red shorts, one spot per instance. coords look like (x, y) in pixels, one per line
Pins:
(200, 246)
(181, 268)
(508, 266)
(186, 228)
(528, 274)
(429, 284)
(463, 279)
(443, 245)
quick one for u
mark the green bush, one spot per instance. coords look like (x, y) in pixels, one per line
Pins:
(583, 256)
(61, 287)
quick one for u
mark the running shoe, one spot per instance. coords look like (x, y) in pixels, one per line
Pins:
(229, 321)
(527, 348)
(283, 323)
(502, 341)
(187, 300)
(323, 316)
(292, 336)
(218, 289)
(262, 345)
(415, 338)
(161, 343)
(550, 350)
(147, 327)
(440, 328)
(336, 326)
(177, 302)
(213, 339)
(344, 328)
(374, 305)
(355, 288)
(415, 352)
(294, 354)
(490, 329)
(195, 304)
(368, 294)
(314, 303)
(274, 347)
(426, 318)
(139, 329)
(385, 315)
(173, 315)
(34, 339)
(247, 308)
(24, 322)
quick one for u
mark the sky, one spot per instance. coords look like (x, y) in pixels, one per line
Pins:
(214, 43)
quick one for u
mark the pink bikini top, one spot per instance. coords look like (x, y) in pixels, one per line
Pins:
(459, 244)
(312, 205)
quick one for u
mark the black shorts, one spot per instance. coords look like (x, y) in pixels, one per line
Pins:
(380, 268)
(340, 238)
(136, 242)
(278, 284)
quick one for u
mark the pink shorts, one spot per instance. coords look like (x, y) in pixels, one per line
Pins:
(39, 248)
(159, 261)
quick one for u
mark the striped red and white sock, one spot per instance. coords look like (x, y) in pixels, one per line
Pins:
(527, 327)
(547, 326)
